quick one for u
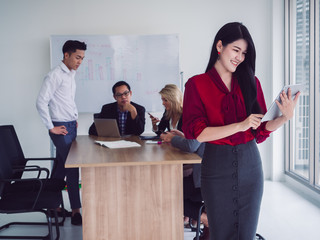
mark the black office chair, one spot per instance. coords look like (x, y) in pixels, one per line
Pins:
(19, 161)
(34, 198)
(14, 149)
(259, 237)
(198, 230)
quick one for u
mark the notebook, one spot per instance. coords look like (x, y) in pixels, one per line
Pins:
(107, 127)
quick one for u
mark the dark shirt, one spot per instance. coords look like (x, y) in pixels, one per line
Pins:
(122, 119)
(165, 124)
(132, 126)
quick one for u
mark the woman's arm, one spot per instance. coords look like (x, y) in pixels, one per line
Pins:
(215, 133)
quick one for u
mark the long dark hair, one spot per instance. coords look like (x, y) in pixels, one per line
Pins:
(245, 72)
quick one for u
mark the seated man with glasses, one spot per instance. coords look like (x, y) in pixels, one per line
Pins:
(130, 116)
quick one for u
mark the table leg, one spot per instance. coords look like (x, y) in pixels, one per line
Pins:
(133, 202)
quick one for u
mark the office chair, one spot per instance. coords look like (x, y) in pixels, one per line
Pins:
(9, 140)
(198, 230)
(14, 149)
(34, 198)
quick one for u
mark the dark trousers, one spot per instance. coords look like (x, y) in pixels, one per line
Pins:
(232, 186)
(63, 144)
(192, 198)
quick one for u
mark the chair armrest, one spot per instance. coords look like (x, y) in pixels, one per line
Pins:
(37, 169)
(41, 159)
(25, 166)
(54, 160)
(21, 168)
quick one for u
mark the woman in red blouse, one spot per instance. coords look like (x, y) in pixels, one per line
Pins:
(223, 107)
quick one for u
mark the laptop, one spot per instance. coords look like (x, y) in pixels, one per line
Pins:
(107, 127)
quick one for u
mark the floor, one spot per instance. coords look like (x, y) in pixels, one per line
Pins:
(284, 215)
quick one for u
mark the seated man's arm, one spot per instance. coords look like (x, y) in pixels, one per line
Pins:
(107, 111)
(93, 130)
(136, 125)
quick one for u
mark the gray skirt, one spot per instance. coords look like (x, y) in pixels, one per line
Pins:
(232, 187)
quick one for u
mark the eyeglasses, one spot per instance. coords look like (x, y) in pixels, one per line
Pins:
(119, 95)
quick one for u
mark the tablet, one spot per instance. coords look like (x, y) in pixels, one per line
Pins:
(273, 111)
(107, 127)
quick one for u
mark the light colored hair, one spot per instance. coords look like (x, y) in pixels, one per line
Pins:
(174, 95)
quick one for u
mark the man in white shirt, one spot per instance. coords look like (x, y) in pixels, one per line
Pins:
(59, 113)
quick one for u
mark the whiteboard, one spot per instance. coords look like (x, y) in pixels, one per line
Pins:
(146, 62)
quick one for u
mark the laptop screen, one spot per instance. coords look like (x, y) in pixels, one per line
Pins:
(107, 127)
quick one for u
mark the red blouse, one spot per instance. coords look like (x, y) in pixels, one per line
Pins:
(202, 108)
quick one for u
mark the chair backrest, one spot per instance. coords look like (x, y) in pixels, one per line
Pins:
(12, 146)
(5, 166)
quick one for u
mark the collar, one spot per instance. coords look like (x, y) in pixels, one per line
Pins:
(66, 69)
(232, 107)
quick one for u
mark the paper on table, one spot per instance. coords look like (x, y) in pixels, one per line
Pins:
(153, 142)
(118, 144)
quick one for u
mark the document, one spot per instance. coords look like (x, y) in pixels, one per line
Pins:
(118, 144)
(153, 142)
(274, 111)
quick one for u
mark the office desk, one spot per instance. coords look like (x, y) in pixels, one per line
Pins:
(133, 193)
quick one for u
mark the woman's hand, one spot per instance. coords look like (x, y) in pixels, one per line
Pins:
(166, 137)
(177, 133)
(154, 120)
(253, 121)
(287, 104)
(286, 107)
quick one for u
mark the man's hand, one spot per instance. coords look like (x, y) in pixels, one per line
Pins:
(130, 108)
(59, 130)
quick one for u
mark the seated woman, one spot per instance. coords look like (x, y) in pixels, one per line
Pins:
(192, 197)
(172, 99)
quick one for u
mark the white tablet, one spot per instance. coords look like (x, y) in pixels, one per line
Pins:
(273, 111)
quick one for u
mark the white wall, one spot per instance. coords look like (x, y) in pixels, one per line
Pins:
(26, 26)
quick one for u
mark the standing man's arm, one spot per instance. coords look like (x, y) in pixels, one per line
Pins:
(47, 90)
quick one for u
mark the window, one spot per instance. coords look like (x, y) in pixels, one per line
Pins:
(317, 80)
(303, 63)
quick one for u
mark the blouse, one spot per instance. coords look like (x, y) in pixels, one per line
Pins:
(202, 107)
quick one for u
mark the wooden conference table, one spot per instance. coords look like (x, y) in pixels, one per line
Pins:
(130, 193)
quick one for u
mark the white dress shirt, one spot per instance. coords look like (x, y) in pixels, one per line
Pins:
(55, 101)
